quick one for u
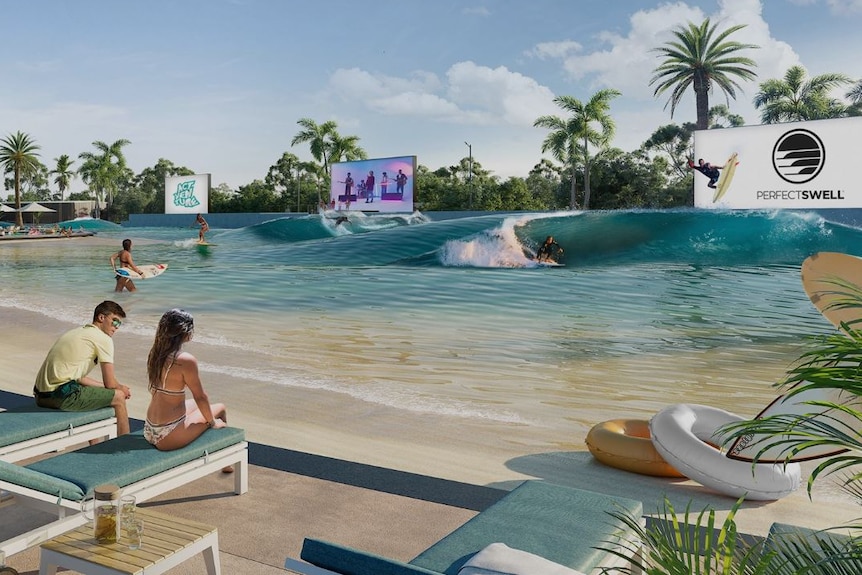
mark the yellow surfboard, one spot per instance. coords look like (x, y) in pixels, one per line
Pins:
(726, 177)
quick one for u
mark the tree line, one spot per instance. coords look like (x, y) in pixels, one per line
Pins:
(584, 170)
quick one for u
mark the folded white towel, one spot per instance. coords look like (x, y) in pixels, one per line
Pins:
(500, 559)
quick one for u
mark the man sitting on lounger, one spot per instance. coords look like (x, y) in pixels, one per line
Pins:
(62, 382)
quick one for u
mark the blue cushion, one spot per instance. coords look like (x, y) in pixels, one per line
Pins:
(561, 524)
(19, 424)
(129, 458)
(39, 481)
(348, 561)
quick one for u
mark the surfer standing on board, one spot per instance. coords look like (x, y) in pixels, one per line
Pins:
(549, 251)
(124, 257)
(707, 169)
(204, 228)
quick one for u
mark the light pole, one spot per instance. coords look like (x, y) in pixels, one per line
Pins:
(470, 153)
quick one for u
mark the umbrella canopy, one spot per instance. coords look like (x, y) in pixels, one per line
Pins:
(5, 208)
(34, 207)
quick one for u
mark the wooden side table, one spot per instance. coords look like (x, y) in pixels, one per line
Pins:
(167, 542)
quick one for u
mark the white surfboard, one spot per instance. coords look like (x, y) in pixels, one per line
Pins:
(826, 277)
(549, 264)
(746, 448)
(149, 271)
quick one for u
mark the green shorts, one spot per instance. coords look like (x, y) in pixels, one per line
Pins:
(78, 398)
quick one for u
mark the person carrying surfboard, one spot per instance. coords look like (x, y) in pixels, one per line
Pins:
(124, 257)
(709, 170)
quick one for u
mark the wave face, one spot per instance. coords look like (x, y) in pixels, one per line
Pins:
(692, 237)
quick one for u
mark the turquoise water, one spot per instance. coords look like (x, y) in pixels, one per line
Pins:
(451, 319)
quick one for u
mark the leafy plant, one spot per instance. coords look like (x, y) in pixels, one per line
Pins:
(672, 547)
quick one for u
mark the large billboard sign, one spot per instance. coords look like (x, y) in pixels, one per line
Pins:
(187, 194)
(376, 185)
(794, 165)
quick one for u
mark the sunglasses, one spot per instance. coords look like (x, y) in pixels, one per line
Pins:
(116, 323)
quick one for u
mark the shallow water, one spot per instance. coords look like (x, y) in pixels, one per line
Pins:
(451, 319)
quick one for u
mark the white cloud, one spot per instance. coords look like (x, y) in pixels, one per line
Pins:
(845, 6)
(626, 61)
(471, 94)
(545, 50)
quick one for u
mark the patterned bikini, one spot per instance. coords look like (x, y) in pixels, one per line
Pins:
(154, 433)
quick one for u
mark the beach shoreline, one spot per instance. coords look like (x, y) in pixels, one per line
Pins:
(485, 453)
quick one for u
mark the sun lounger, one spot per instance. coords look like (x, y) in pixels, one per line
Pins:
(30, 430)
(570, 527)
(59, 484)
(797, 546)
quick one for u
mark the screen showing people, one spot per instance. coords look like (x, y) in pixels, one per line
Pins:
(376, 185)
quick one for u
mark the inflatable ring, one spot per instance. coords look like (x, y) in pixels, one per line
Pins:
(681, 434)
(626, 444)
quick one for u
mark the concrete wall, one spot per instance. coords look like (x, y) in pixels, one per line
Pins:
(232, 221)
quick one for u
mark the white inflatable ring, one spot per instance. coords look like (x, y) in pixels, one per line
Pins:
(681, 432)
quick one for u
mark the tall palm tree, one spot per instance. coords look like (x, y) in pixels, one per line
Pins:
(64, 173)
(344, 148)
(797, 97)
(103, 171)
(316, 135)
(18, 152)
(701, 57)
(562, 143)
(571, 138)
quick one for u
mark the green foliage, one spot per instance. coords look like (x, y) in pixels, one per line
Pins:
(701, 58)
(796, 97)
(693, 546)
(105, 172)
(570, 138)
(18, 153)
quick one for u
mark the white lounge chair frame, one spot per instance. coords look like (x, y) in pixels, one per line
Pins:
(60, 440)
(69, 515)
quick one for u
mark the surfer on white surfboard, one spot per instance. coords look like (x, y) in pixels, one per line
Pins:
(124, 258)
(711, 171)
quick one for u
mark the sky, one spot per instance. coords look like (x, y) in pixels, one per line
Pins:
(219, 85)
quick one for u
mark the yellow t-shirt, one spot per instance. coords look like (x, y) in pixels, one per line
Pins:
(73, 356)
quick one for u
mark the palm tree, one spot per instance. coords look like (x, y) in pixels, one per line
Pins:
(316, 135)
(796, 97)
(18, 152)
(700, 57)
(570, 139)
(64, 173)
(103, 171)
(344, 148)
(563, 145)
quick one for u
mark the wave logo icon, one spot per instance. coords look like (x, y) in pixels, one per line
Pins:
(798, 156)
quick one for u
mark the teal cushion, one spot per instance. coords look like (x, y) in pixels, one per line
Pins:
(561, 524)
(39, 481)
(348, 561)
(797, 546)
(22, 423)
(129, 458)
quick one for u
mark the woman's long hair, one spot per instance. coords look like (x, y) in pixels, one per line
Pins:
(175, 328)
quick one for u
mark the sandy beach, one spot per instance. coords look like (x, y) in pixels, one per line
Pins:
(475, 453)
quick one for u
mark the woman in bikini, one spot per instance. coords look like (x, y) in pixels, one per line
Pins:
(172, 421)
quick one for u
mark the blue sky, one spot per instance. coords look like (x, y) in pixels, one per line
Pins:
(218, 85)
